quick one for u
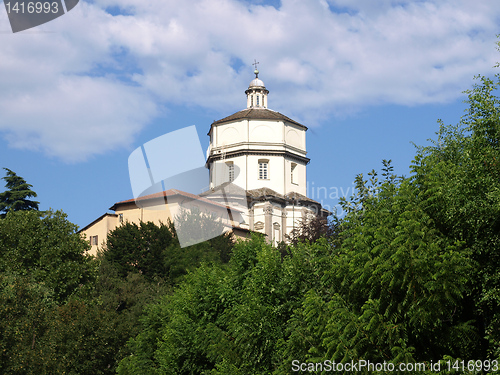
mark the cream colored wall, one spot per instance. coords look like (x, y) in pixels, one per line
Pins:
(155, 213)
(131, 213)
(101, 230)
(219, 212)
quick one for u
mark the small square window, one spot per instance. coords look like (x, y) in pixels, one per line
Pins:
(94, 240)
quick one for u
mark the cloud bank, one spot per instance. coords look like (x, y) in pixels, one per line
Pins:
(90, 81)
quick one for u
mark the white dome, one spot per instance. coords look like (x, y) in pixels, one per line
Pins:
(256, 82)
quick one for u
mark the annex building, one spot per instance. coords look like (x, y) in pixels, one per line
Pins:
(257, 162)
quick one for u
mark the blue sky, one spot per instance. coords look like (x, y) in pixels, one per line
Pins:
(80, 93)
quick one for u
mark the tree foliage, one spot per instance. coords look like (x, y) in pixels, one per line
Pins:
(15, 198)
(226, 318)
(459, 185)
(25, 308)
(312, 228)
(46, 247)
(154, 251)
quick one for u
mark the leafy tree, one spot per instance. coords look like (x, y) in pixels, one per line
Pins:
(81, 339)
(47, 247)
(42, 265)
(227, 318)
(394, 292)
(194, 226)
(312, 228)
(154, 251)
(16, 197)
(25, 307)
(416, 272)
(459, 182)
(61, 315)
(139, 248)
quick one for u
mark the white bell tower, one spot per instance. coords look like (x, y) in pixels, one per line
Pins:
(256, 92)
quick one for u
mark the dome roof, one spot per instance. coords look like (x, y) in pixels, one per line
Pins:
(257, 114)
(256, 82)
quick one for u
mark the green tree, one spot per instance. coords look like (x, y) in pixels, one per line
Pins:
(154, 251)
(394, 292)
(140, 248)
(47, 247)
(80, 339)
(62, 314)
(227, 319)
(415, 277)
(25, 307)
(15, 198)
(458, 178)
(312, 229)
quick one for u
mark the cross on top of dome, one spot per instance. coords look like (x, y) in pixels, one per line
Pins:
(256, 72)
(256, 82)
(256, 92)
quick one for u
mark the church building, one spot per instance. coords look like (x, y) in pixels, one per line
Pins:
(257, 162)
(263, 153)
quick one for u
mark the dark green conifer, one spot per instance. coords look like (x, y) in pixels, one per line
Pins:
(15, 198)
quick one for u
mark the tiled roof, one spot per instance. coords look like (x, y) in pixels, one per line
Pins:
(266, 192)
(227, 188)
(96, 220)
(257, 114)
(261, 193)
(168, 193)
(300, 197)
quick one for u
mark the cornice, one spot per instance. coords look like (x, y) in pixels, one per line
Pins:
(261, 152)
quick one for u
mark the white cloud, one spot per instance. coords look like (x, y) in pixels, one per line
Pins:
(75, 118)
(85, 83)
